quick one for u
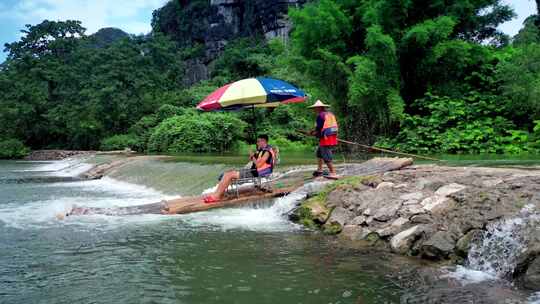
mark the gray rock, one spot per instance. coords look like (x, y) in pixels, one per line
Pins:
(531, 279)
(394, 228)
(354, 232)
(367, 212)
(402, 242)
(359, 220)
(385, 185)
(412, 196)
(411, 210)
(491, 182)
(421, 219)
(449, 189)
(436, 204)
(411, 202)
(428, 184)
(340, 216)
(385, 213)
(438, 246)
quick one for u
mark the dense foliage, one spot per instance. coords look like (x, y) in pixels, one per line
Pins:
(12, 148)
(437, 78)
(193, 132)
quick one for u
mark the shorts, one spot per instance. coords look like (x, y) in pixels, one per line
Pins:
(325, 152)
(248, 173)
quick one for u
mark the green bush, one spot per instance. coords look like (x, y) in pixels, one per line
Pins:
(472, 124)
(120, 142)
(167, 110)
(12, 149)
(193, 132)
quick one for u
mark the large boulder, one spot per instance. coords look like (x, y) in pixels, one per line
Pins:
(438, 246)
(403, 241)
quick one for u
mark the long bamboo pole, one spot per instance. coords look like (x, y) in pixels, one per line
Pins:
(376, 148)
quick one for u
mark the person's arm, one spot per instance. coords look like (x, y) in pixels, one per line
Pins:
(320, 124)
(261, 160)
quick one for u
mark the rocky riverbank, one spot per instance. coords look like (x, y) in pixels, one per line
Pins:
(436, 213)
(55, 154)
(41, 155)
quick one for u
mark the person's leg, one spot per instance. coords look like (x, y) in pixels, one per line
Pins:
(320, 162)
(330, 166)
(327, 154)
(225, 182)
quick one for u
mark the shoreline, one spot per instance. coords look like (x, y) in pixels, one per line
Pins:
(438, 213)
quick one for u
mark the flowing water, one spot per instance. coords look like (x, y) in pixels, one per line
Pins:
(239, 255)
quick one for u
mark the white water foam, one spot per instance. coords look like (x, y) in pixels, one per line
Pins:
(69, 167)
(103, 193)
(271, 218)
(534, 298)
(467, 276)
(495, 257)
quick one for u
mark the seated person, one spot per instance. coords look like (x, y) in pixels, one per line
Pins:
(263, 165)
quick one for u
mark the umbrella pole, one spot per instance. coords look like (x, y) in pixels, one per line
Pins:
(254, 124)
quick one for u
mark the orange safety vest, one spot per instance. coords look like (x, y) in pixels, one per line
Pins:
(330, 126)
(267, 167)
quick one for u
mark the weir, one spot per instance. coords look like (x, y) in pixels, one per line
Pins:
(281, 186)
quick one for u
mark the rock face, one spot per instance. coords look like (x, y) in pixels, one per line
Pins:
(437, 212)
(212, 24)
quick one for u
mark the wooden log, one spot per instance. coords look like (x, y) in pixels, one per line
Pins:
(196, 204)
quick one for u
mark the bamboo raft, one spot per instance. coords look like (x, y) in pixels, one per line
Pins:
(280, 187)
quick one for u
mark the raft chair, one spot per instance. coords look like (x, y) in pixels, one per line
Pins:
(263, 183)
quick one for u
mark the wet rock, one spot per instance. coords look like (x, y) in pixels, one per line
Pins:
(311, 213)
(438, 246)
(464, 244)
(531, 278)
(402, 242)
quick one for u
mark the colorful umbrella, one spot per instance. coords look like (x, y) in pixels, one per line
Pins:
(252, 92)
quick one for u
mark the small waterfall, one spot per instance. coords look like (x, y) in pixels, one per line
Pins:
(502, 244)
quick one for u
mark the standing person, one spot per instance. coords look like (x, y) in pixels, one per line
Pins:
(326, 130)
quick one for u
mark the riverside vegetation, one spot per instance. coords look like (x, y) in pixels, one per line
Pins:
(436, 79)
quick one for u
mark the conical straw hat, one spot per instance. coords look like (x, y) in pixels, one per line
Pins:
(319, 104)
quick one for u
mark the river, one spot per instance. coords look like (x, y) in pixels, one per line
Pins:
(244, 255)
(239, 255)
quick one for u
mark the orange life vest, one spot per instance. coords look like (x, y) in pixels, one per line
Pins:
(330, 126)
(267, 167)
